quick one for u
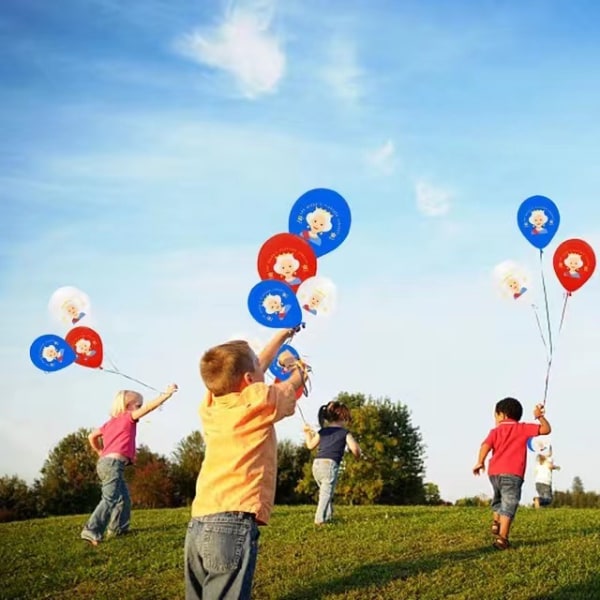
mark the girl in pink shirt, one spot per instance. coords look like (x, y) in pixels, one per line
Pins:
(116, 451)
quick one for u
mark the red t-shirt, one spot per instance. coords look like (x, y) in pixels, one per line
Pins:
(509, 447)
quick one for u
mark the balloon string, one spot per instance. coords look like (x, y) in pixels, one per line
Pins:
(562, 320)
(301, 414)
(539, 325)
(117, 372)
(546, 305)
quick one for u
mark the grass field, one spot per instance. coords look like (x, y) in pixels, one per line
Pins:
(370, 553)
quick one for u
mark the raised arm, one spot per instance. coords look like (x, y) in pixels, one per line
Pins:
(538, 413)
(138, 413)
(269, 352)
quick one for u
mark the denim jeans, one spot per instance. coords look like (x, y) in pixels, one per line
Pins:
(220, 556)
(114, 508)
(325, 471)
(507, 493)
(544, 491)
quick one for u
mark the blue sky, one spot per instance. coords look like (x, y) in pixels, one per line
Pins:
(149, 149)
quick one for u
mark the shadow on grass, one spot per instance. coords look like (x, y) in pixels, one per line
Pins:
(588, 590)
(381, 574)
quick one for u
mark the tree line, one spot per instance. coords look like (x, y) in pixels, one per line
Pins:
(391, 471)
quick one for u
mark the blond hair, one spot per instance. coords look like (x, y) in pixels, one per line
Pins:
(223, 367)
(122, 399)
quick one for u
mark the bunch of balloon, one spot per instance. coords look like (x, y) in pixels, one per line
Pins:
(574, 260)
(290, 290)
(81, 345)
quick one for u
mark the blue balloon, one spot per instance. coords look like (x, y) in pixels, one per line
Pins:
(274, 367)
(274, 304)
(322, 217)
(530, 444)
(51, 353)
(538, 219)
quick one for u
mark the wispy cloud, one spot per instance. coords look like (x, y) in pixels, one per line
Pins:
(383, 159)
(343, 73)
(432, 201)
(243, 45)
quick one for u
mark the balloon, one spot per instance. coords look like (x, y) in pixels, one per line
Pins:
(287, 257)
(279, 373)
(274, 304)
(540, 445)
(317, 296)
(322, 217)
(299, 391)
(69, 305)
(574, 263)
(87, 346)
(538, 219)
(51, 353)
(512, 280)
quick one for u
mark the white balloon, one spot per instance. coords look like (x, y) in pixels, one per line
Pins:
(317, 296)
(512, 280)
(69, 305)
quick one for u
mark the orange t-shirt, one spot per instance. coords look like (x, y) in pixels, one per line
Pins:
(239, 471)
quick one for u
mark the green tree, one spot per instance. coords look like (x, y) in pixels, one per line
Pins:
(17, 500)
(187, 459)
(432, 494)
(69, 483)
(291, 459)
(392, 467)
(577, 486)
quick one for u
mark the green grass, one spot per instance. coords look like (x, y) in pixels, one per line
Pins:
(370, 553)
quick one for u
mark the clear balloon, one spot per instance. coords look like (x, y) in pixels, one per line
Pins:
(512, 280)
(69, 305)
(317, 296)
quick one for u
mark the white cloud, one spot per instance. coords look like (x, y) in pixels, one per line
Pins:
(242, 45)
(343, 74)
(432, 201)
(383, 159)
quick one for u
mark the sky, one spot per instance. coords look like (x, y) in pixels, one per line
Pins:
(149, 149)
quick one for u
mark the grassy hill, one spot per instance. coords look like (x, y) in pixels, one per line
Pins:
(370, 553)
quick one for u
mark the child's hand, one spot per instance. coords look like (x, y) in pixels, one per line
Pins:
(539, 411)
(307, 429)
(478, 468)
(171, 389)
(286, 359)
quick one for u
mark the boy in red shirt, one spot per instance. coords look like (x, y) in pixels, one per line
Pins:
(506, 469)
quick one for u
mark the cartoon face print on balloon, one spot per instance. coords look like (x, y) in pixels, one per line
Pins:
(538, 219)
(288, 258)
(512, 279)
(322, 218)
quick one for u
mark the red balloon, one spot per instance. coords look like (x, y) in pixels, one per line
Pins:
(288, 258)
(299, 391)
(87, 345)
(574, 262)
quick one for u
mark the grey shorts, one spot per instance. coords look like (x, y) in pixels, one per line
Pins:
(507, 493)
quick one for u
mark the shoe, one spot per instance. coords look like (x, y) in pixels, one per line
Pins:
(501, 543)
(88, 536)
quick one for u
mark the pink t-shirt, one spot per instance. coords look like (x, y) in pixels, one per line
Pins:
(118, 436)
(509, 447)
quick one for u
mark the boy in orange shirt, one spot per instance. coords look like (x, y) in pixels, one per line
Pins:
(235, 490)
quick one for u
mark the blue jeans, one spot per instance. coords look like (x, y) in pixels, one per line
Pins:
(507, 493)
(114, 509)
(544, 491)
(220, 556)
(325, 471)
